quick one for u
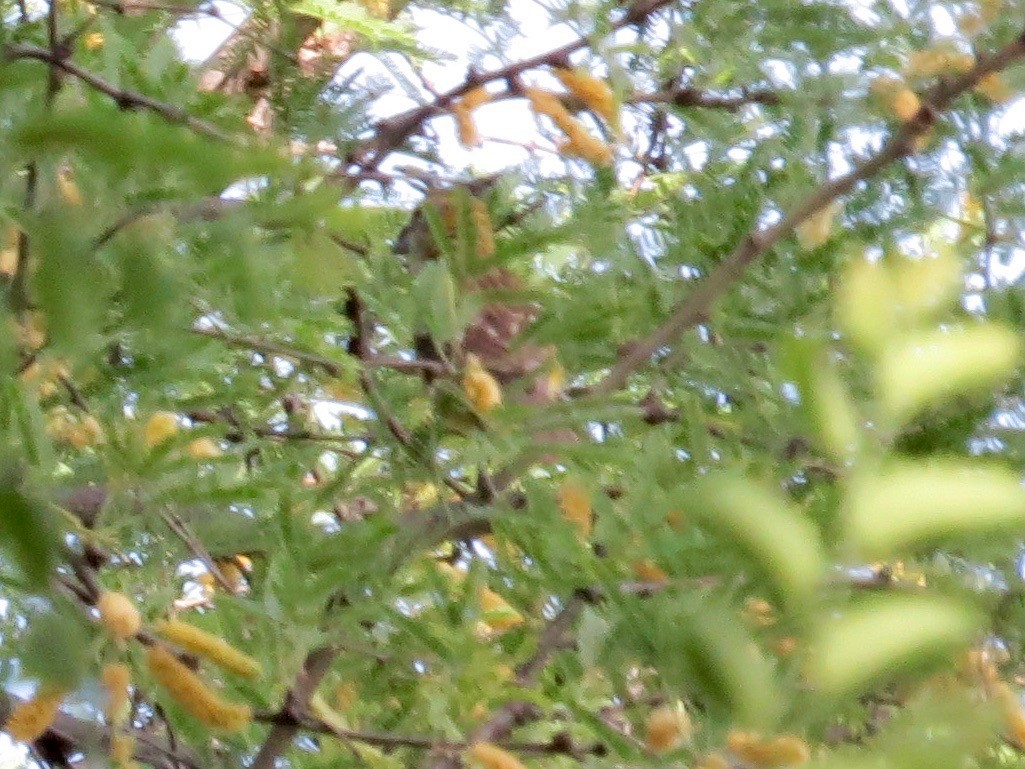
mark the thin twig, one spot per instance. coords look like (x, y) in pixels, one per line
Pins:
(181, 530)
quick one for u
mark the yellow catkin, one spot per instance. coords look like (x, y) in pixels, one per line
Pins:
(667, 728)
(466, 126)
(122, 749)
(994, 87)
(482, 389)
(93, 41)
(119, 615)
(646, 570)
(160, 427)
(784, 750)
(583, 145)
(491, 756)
(31, 718)
(575, 503)
(189, 691)
(116, 677)
(482, 228)
(463, 109)
(592, 91)
(204, 448)
(209, 646)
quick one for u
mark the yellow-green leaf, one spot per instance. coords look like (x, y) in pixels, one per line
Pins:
(887, 634)
(911, 504)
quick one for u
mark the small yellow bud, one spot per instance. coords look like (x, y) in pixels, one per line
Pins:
(204, 448)
(482, 389)
(31, 718)
(93, 41)
(119, 615)
(189, 691)
(667, 728)
(575, 503)
(493, 757)
(160, 427)
(208, 646)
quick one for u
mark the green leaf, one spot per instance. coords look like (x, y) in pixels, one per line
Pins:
(784, 544)
(884, 635)
(923, 369)
(28, 531)
(911, 504)
(56, 648)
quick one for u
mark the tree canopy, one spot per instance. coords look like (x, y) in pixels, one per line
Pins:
(642, 392)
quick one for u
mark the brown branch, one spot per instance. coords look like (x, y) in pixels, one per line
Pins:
(696, 307)
(558, 745)
(312, 360)
(125, 99)
(289, 719)
(698, 97)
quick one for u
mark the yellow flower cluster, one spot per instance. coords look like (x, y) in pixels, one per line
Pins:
(208, 646)
(31, 718)
(482, 389)
(189, 691)
(76, 430)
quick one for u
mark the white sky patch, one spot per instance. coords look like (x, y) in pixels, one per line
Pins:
(198, 37)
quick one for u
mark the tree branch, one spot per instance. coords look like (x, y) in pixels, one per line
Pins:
(696, 307)
(288, 722)
(125, 99)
